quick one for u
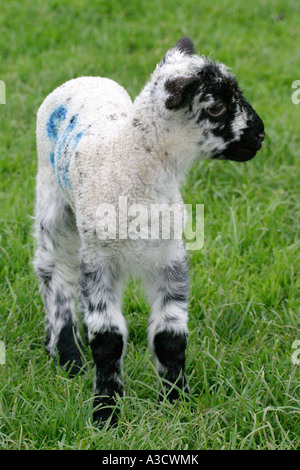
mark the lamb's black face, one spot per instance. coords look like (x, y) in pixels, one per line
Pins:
(236, 121)
(209, 98)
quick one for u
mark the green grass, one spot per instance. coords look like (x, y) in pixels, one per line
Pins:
(244, 308)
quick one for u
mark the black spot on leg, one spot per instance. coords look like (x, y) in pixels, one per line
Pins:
(175, 296)
(178, 270)
(68, 353)
(177, 277)
(99, 307)
(170, 350)
(107, 348)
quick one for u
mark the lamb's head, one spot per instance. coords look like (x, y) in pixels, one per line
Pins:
(200, 103)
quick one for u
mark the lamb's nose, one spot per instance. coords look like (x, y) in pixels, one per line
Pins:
(261, 137)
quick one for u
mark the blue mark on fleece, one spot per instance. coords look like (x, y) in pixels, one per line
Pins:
(62, 141)
(52, 159)
(58, 115)
(65, 175)
(65, 142)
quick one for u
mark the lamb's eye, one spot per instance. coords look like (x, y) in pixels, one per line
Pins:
(216, 110)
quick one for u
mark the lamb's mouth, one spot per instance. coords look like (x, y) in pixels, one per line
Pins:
(238, 154)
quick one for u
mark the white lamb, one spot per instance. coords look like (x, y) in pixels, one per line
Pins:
(95, 146)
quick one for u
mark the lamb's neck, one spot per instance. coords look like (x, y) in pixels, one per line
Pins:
(146, 165)
(153, 135)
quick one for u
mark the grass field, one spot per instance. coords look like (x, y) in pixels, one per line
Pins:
(244, 306)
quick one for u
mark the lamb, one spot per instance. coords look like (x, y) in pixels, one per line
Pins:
(94, 146)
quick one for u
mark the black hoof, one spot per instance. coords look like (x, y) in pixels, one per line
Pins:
(73, 367)
(105, 410)
(174, 391)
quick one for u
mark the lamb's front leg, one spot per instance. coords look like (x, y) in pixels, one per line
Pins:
(106, 329)
(168, 324)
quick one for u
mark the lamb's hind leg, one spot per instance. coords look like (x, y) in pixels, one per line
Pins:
(167, 331)
(56, 264)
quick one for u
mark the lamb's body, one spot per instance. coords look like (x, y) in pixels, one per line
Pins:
(88, 143)
(95, 146)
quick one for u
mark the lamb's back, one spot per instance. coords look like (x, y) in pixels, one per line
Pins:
(85, 109)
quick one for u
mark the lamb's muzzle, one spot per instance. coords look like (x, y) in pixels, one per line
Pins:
(95, 146)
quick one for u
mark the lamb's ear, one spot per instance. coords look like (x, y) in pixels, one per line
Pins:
(181, 90)
(185, 45)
